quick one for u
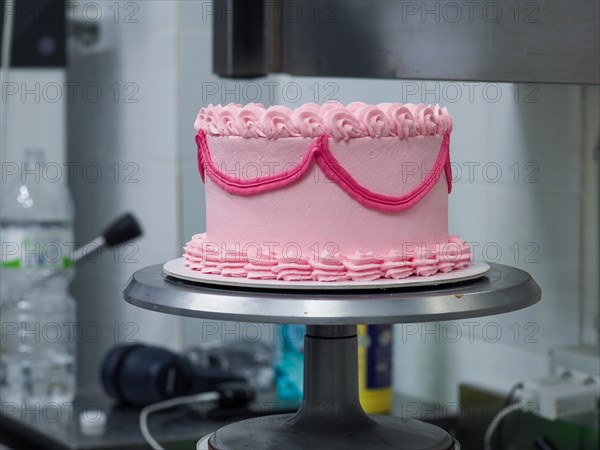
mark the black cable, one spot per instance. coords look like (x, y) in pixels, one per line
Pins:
(543, 443)
(510, 397)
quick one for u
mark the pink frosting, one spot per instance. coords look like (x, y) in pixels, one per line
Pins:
(364, 266)
(384, 161)
(261, 267)
(328, 267)
(292, 269)
(207, 257)
(319, 152)
(425, 261)
(233, 263)
(397, 265)
(311, 120)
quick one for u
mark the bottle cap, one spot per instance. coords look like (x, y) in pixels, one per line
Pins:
(92, 422)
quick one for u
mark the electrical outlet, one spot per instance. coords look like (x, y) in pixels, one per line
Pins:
(559, 397)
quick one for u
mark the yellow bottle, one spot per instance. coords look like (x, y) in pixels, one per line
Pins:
(375, 368)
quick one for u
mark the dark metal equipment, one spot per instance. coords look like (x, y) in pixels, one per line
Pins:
(534, 41)
(39, 36)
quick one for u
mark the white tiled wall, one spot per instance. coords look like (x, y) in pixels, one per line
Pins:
(34, 100)
(590, 250)
(135, 129)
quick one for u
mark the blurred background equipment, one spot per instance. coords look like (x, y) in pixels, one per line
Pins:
(253, 361)
(363, 39)
(140, 375)
(124, 229)
(159, 379)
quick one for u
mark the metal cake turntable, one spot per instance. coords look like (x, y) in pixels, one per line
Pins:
(330, 416)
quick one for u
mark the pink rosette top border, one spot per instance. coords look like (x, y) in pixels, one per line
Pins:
(319, 153)
(341, 122)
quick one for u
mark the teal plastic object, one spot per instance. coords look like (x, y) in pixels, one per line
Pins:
(289, 361)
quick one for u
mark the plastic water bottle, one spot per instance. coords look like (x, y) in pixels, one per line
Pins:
(37, 314)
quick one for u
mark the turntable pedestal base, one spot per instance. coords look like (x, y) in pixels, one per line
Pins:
(330, 416)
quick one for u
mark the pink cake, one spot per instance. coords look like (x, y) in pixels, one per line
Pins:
(326, 193)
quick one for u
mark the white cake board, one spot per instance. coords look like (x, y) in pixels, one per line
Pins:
(175, 268)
